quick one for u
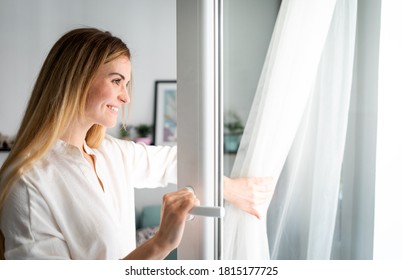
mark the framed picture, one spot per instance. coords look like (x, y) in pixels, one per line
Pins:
(165, 125)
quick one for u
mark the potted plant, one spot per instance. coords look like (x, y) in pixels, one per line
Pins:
(143, 134)
(124, 132)
(233, 131)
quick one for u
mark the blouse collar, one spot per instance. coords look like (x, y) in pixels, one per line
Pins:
(62, 145)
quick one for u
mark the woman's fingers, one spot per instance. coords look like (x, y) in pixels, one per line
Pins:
(176, 206)
(252, 190)
(248, 193)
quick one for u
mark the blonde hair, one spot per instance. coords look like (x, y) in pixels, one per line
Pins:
(59, 95)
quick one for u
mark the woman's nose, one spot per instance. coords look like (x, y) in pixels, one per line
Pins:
(124, 97)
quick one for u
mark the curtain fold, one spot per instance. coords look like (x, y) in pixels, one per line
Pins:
(299, 116)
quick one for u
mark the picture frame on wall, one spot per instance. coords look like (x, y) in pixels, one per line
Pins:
(165, 113)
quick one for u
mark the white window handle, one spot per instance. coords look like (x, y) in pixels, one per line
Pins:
(206, 211)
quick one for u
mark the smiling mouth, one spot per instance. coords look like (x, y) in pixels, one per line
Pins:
(115, 109)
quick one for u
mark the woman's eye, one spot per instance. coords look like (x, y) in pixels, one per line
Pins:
(116, 81)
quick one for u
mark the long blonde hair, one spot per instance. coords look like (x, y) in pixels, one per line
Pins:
(59, 95)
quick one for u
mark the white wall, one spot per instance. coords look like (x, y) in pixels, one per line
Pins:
(3, 157)
(28, 29)
(247, 30)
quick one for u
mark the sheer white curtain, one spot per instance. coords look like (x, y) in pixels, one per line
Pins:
(299, 116)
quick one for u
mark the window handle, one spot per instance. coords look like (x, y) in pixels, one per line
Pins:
(206, 211)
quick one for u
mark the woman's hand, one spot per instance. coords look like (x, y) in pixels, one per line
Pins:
(248, 193)
(175, 209)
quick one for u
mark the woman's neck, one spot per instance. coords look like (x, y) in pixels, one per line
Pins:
(75, 135)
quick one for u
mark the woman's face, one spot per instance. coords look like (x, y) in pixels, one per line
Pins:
(108, 92)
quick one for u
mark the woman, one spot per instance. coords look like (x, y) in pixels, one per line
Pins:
(66, 187)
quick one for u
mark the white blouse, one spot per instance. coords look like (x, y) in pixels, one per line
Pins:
(58, 210)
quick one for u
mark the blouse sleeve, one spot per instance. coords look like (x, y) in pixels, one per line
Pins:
(29, 228)
(147, 166)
